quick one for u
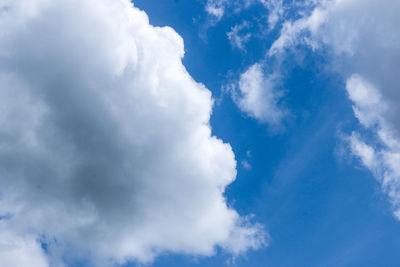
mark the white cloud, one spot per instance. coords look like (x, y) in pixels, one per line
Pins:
(258, 97)
(238, 35)
(105, 143)
(276, 11)
(362, 36)
(293, 32)
(365, 152)
(216, 8)
(19, 249)
(369, 106)
(382, 155)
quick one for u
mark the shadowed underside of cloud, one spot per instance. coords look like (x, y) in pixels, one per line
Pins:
(105, 143)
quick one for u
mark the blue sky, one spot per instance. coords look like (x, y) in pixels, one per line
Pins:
(106, 158)
(319, 205)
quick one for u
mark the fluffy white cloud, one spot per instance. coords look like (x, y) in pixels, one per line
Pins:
(363, 38)
(105, 143)
(258, 97)
(368, 104)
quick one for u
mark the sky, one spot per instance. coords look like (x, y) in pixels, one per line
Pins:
(199, 133)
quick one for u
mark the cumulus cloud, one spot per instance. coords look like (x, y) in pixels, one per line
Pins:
(363, 39)
(258, 97)
(105, 143)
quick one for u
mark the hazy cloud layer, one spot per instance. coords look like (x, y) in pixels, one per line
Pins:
(105, 143)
